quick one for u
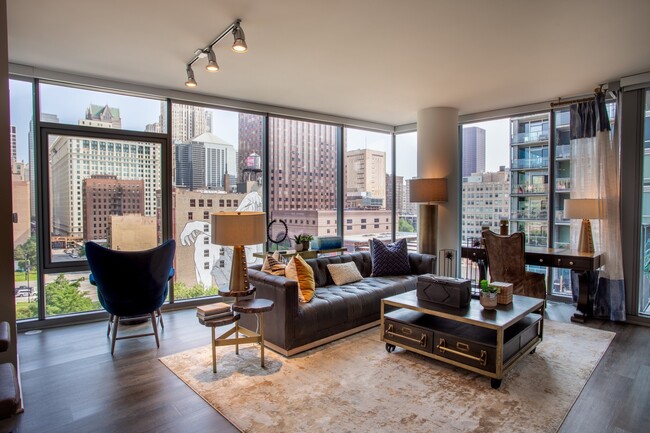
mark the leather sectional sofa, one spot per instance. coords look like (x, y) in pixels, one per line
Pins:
(335, 311)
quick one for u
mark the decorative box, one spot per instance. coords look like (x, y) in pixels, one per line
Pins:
(505, 294)
(452, 292)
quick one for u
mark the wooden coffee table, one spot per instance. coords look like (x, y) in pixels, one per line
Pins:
(483, 341)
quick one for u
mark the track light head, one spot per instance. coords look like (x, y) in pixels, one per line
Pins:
(239, 46)
(191, 82)
(212, 65)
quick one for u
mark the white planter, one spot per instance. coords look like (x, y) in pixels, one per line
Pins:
(488, 300)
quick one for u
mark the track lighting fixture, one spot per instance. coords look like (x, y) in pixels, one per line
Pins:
(238, 46)
(212, 61)
(191, 82)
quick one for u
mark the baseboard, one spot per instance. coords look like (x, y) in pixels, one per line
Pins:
(297, 350)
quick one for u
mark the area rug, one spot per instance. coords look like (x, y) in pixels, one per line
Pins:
(354, 385)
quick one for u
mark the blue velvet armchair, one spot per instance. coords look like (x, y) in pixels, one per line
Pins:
(131, 283)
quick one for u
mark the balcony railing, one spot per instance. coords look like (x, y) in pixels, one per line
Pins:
(530, 163)
(530, 188)
(538, 215)
(563, 151)
(529, 137)
(562, 184)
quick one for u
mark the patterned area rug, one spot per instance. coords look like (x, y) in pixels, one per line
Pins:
(354, 385)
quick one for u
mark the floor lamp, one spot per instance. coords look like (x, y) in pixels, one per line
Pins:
(428, 192)
(237, 229)
(583, 208)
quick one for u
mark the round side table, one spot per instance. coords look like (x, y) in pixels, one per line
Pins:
(258, 307)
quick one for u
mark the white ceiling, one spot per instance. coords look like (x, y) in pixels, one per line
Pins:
(377, 60)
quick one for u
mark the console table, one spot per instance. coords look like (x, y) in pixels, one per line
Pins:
(584, 265)
(308, 254)
(488, 342)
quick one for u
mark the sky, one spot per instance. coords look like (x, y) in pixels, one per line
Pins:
(70, 104)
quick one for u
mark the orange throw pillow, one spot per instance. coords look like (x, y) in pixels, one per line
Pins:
(299, 270)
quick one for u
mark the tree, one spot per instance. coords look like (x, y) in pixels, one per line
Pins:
(182, 291)
(26, 251)
(63, 296)
(405, 226)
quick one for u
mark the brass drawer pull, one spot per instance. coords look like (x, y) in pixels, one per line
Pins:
(442, 347)
(422, 341)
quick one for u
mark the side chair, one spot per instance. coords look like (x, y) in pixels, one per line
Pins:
(507, 263)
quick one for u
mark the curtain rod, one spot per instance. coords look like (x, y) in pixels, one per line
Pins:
(597, 91)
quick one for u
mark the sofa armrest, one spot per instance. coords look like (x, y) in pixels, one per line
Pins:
(279, 322)
(422, 263)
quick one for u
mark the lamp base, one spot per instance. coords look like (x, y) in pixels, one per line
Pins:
(427, 229)
(239, 272)
(586, 242)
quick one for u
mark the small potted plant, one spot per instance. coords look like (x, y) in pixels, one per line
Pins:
(306, 239)
(297, 240)
(488, 296)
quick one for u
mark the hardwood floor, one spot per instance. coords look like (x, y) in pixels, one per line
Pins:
(72, 384)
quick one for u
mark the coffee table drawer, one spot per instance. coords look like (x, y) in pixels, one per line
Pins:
(465, 351)
(409, 328)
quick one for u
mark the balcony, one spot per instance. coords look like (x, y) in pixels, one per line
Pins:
(534, 215)
(562, 184)
(528, 163)
(529, 137)
(559, 217)
(529, 188)
(563, 151)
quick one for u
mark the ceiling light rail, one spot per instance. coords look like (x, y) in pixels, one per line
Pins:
(238, 46)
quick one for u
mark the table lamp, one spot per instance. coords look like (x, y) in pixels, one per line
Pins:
(237, 229)
(428, 192)
(583, 208)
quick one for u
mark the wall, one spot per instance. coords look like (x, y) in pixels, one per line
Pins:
(7, 300)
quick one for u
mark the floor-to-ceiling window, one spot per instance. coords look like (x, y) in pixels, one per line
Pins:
(303, 180)
(406, 168)
(216, 166)
(368, 188)
(644, 281)
(101, 180)
(23, 198)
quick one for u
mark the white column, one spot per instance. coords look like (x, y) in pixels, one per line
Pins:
(439, 155)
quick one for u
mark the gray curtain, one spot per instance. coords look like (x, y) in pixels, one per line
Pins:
(595, 173)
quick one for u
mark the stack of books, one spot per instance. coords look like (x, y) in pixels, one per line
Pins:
(216, 311)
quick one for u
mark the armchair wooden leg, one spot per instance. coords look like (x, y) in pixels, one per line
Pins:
(110, 320)
(155, 328)
(160, 319)
(116, 322)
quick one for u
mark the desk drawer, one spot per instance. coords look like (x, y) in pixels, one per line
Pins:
(575, 264)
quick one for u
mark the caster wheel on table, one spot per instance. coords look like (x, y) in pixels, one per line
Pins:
(533, 351)
(390, 347)
(495, 383)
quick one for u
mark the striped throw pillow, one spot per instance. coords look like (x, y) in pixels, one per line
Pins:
(273, 266)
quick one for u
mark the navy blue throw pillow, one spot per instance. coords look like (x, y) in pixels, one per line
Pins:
(390, 259)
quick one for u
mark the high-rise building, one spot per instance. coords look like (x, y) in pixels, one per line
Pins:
(365, 178)
(473, 150)
(207, 162)
(302, 165)
(14, 146)
(105, 196)
(251, 138)
(131, 232)
(408, 208)
(73, 159)
(399, 196)
(21, 194)
(105, 114)
(45, 117)
(529, 174)
(187, 122)
(486, 200)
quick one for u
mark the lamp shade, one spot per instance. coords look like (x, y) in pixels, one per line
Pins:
(428, 190)
(581, 208)
(238, 228)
